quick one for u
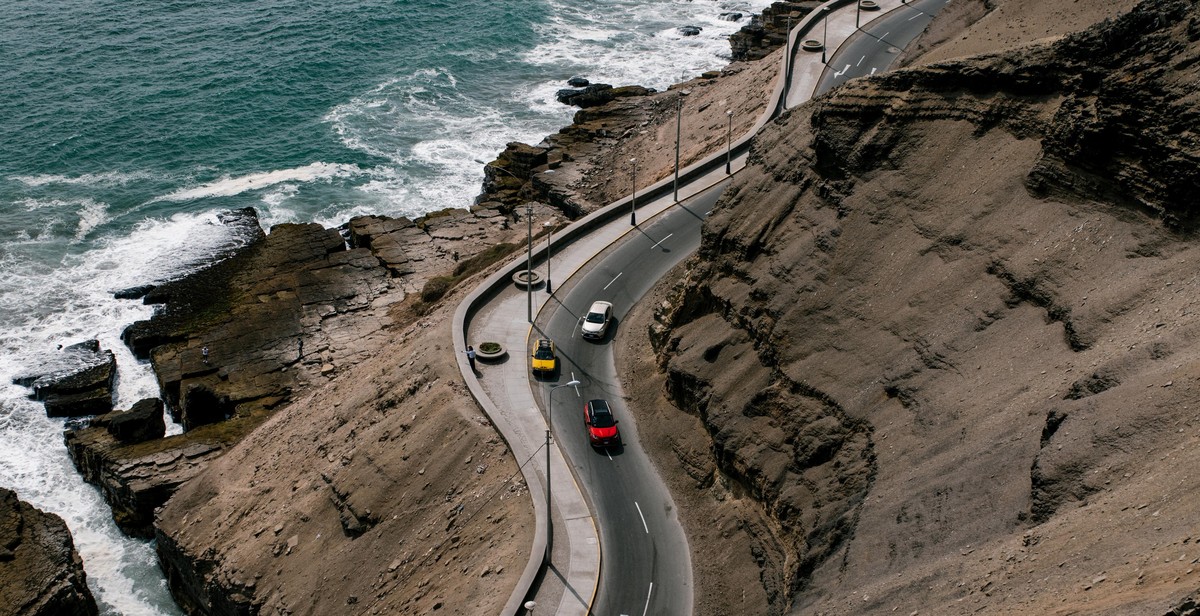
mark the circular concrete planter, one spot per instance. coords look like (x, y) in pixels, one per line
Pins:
(811, 45)
(526, 278)
(490, 351)
(868, 5)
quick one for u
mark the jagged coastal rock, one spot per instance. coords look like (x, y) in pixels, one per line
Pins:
(76, 381)
(936, 348)
(41, 574)
(768, 32)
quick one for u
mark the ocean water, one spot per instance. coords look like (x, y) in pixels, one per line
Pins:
(126, 126)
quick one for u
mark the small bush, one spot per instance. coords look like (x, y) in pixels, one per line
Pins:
(481, 261)
(489, 347)
(436, 288)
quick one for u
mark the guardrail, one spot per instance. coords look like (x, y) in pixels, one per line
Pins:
(498, 281)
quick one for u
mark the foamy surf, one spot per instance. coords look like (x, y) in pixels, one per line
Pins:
(41, 308)
(232, 186)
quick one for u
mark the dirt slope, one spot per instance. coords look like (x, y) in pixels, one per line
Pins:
(937, 352)
(384, 492)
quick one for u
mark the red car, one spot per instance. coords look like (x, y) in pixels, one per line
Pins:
(601, 425)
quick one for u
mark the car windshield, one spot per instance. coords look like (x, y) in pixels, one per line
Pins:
(602, 420)
(543, 352)
(595, 317)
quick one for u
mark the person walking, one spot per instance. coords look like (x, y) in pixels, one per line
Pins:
(471, 357)
(299, 349)
(204, 355)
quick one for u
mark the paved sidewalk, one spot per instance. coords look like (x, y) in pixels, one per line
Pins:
(568, 585)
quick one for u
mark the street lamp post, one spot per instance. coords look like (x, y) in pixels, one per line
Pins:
(549, 234)
(857, 11)
(529, 261)
(729, 143)
(787, 51)
(825, 36)
(633, 195)
(549, 427)
(678, 124)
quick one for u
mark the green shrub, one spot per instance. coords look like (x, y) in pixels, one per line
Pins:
(436, 287)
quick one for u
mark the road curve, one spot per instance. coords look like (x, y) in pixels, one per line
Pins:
(646, 566)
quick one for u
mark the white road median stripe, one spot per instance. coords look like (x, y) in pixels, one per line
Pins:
(639, 508)
(612, 281)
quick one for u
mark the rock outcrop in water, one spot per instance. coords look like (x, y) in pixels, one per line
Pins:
(76, 381)
(768, 32)
(940, 333)
(41, 574)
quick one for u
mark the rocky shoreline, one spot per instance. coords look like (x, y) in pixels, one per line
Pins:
(41, 574)
(297, 314)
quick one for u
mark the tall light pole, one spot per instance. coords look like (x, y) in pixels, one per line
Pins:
(549, 427)
(529, 260)
(633, 195)
(825, 36)
(857, 10)
(787, 51)
(729, 143)
(549, 234)
(678, 124)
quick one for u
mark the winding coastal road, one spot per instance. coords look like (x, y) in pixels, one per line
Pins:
(647, 565)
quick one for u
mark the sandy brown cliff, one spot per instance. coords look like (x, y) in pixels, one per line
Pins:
(937, 351)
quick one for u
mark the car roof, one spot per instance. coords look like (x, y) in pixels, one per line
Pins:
(542, 343)
(599, 406)
(599, 306)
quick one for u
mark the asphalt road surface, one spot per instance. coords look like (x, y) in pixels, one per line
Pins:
(645, 562)
(877, 45)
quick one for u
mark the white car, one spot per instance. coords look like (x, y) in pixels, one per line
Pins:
(596, 321)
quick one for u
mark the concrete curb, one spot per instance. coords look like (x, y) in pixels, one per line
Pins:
(500, 279)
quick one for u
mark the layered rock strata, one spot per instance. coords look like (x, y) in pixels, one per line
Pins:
(41, 574)
(289, 311)
(938, 335)
(79, 380)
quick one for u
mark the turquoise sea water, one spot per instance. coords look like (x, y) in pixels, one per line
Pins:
(127, 125)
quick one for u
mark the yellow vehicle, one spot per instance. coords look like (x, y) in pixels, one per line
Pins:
(544, 359)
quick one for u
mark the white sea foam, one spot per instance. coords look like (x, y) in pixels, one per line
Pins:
(626, 42)
(110, 178)
(43, 305)
(92, 214)
(230, 186)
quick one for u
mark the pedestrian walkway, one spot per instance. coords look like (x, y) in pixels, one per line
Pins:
(498, 311)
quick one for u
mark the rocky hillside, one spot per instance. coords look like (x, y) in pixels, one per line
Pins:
(936, 353)
(41, 574)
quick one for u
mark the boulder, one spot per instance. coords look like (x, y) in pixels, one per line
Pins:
(78, 381)
(578, 82)
(690, 30)
(590, 96)
(137, 292)
(730, 16)
(142, 422)
(41, 573)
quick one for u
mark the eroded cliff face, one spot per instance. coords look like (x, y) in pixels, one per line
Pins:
(41, 573)
(942, 332)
